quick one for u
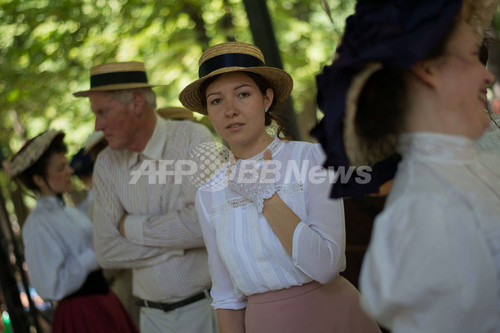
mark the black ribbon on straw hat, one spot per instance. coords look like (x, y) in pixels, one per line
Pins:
(99, 80)
(392, 33)
(228, 60)
(116, 76)
(234, 57)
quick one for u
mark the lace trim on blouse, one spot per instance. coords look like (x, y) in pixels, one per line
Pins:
(274, 147)
(282, 189)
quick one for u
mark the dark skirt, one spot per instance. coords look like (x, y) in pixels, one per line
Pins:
(311, 308)
(92, 313)
(93, 308)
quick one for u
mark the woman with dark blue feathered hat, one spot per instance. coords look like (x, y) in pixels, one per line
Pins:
(408, 83)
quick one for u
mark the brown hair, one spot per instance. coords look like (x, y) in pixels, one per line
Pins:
(382, 102)
(41, 165)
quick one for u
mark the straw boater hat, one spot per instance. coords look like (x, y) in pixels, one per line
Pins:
(116, 76)
(234, 57)
(176, 113)
(395, 34)
(93, 140)
(30, 153)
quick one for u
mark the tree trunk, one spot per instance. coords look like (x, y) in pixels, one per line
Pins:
(194, 12)
(19, 319)
(264, 38)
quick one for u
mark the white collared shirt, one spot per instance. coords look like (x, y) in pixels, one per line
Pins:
(245, 255)
(163, 244)
(433, 263)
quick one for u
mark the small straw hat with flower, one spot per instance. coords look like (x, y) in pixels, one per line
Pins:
(30, 153)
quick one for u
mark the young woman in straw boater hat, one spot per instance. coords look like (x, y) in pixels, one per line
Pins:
(275, 242)
(408, 78)
(62, 265)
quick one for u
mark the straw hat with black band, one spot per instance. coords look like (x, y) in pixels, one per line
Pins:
(234, 57)
(395, 34)
(116, 76)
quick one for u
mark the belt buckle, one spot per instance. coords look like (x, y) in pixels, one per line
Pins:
(166, 307)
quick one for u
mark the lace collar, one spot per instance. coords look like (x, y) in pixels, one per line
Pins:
(437, 145)
(274, 147)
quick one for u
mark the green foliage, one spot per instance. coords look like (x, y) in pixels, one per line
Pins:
(48, 46)
(307, 40)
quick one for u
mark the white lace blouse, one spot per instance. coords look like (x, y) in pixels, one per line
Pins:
(245, 255)
(433, 264)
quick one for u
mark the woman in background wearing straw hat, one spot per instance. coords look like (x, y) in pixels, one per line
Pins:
(408, 76)
(62, 265)
(276, 246)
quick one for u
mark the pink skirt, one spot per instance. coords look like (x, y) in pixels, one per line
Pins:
(93, 314)
(311, 308)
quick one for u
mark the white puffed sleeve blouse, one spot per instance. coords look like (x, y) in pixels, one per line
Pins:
(433, 263)
(58, 248)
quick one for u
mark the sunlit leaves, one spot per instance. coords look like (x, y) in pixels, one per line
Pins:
(48, 46)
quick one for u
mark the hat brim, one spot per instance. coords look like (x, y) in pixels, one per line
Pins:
(357, 149)
(31, 152)
(93, 140)
(281, 83)
(480, 15)
(113, 87)
(176, 113)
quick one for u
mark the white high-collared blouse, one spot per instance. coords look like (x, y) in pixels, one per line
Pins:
(245, 255)
(433, 263)
(58, 248)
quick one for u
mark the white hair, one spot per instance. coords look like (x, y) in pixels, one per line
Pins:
(124, 96)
